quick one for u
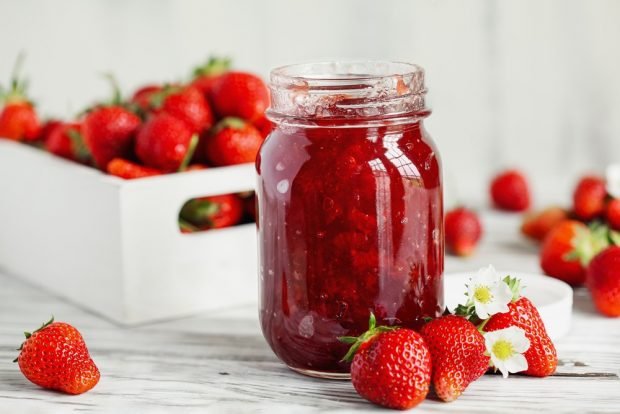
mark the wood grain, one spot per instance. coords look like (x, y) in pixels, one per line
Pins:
(219, 362)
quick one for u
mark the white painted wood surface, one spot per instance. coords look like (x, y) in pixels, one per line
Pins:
(219, 362)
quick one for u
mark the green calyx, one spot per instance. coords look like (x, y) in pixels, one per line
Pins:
(515, 287)
(589, 242)
(191, 149)
(229, 122)
(357, 341)
(18, 87)
(80, 150)
(29, 334)
(213, 67)
(156, 100)
(197, 212)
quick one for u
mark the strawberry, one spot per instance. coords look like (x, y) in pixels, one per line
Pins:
(391, 366)
(603, 281)
(537, 225)
(612, 214)
(568, 248)
(47, 128)
(212, 212)
(541, 356)
(458, 352)
(232, 141)
(165, 143)
(109, 133)
(239, 94)
(510, 191)
(130, 170)
(143, 96)
(18, 118)
(66, 141)
(589, 198)
(55, 357)
(187, 104)
(463, 231)
(205, 75)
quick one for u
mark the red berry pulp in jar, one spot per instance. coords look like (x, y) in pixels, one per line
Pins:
(350, 215)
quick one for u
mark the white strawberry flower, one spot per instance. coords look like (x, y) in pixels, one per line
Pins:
(506, 347)
(489, 293)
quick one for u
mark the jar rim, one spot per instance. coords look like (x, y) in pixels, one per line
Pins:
(353, 90)
(342, 71)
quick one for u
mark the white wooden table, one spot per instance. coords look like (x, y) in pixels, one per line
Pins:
(219, 362)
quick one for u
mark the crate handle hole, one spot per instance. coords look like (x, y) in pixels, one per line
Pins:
(211, 212)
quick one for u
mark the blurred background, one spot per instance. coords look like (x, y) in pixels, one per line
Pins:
(525, 83)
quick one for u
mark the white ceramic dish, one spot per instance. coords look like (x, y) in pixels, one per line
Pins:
(552, 297)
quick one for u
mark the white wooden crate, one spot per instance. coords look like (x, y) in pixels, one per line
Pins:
(113, 245)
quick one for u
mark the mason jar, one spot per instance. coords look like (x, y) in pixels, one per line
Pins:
(350, 214)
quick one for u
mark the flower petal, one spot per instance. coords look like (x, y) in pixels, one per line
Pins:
(517, 363)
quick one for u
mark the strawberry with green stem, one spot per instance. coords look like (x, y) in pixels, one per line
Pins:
(109, 129)
(166, 143)
(390, 366)
(55, 357)
(213, 212)
(516, 312)
(232, 141)
(18, 118)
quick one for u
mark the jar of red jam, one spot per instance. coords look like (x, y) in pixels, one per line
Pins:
(350, 214)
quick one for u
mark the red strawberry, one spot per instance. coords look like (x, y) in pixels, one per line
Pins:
(458, 352)
(537, 225)
(555, 258)
(165, 143)
(142, 97)
(55, 357)
(239, 94)
(18, 118)
(130, 170)
(213, 212)
(589, 198)
(463, 231)
(391, 366)
(612, 214)
(205, 75)
(510, 191)
(568, 248)
(603, 281)
(66, 141)
(187, 104)
(541, 356)
(47, 129)
(233, 141)
(109, 133)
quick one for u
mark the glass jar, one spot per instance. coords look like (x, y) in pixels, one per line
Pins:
(350, 209)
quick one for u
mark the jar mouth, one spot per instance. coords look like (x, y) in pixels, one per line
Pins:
(347, 89)
(339, 72)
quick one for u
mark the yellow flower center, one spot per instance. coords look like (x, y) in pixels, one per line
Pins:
(503, 349)
(482, 294)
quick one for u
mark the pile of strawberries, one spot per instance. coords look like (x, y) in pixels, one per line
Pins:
(397, 367)
(579, 245)
(216, 119)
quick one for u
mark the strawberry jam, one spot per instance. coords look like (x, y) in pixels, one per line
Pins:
(350, 210)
